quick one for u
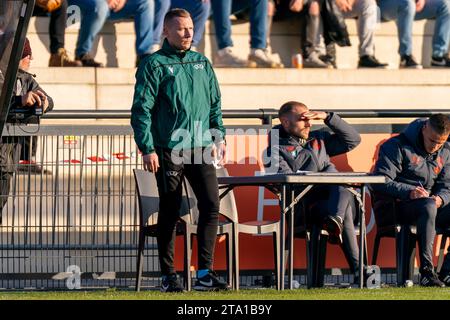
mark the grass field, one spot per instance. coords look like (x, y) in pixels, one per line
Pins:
(414, 293)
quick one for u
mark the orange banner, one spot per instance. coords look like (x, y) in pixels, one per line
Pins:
(244, 158)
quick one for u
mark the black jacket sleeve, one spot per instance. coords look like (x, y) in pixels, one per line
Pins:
(344, 137)
(34, 86)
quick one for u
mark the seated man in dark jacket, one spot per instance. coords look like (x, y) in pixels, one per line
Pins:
(299, 150)
(27, 94)
(416, 164)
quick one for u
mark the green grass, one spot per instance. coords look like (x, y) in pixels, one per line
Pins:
(414, 293)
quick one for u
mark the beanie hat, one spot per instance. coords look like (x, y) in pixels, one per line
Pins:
(26, 48)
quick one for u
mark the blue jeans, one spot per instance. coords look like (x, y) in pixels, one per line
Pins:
(95, 12)
(403, 11)
(222, 9)
(161, 8)
(200, 12)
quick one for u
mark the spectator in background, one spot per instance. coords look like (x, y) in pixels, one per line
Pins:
(27, 94)
(161, 8)
(94, 13)
(57, 31)
(404, 12)
(199, 10)
(259, 56)
(366, 13)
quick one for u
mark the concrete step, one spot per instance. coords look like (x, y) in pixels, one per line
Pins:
(112, 88)
(115, 44)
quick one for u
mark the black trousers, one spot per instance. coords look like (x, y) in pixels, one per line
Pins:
(57, 26)
(9, 157)
(203, 180)
(443, 221)
(333, 200)
(424, 214)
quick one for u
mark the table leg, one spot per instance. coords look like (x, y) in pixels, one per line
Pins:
(291, 242)
(282, 236)
(362, 237)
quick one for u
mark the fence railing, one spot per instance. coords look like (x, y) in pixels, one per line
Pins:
(265, 115)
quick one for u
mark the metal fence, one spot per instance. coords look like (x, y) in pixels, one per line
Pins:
(74, 224)
(75, 217)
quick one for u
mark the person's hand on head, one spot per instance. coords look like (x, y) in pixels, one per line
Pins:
(150, 162)
(315, 115)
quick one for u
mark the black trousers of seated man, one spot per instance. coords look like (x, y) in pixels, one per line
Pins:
(426, 216)
(203, 180)
(324, 200)
(57, 26)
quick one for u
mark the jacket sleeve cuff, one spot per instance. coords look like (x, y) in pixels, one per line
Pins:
(148, 150)
(329, 116)
(444, 196)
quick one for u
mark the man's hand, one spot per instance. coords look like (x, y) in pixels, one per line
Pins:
(418, 193)
(219, 153)
(151, 162)
(296, 5)
(438, 200)
(419, 5)
(344, 5)
(116, 5)
(31, 98)
(43, 99)
(315, 115)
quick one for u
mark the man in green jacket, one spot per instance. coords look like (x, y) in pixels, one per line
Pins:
(177, 121)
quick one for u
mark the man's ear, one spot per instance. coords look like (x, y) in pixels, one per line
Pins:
(284, 122)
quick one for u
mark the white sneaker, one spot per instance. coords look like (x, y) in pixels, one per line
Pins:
(313, 61)
(228, 59)
(154, 48)
(262, 59)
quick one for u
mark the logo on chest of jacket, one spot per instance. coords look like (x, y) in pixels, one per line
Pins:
(440, 165)
(415, 160)
(170, 69)
(292, 150)
(198, 66)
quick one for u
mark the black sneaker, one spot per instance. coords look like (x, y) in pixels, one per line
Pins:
(428, 278)
(440, 62)
(370, 62)
(88, 61)
(210, 282)
(334, 226)
(408, 61)
(445, 278)
(170, 284)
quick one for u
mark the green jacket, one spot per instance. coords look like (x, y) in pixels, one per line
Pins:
(176, 90)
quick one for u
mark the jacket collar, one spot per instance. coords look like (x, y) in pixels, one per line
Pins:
(21, 72)
(168, 49)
